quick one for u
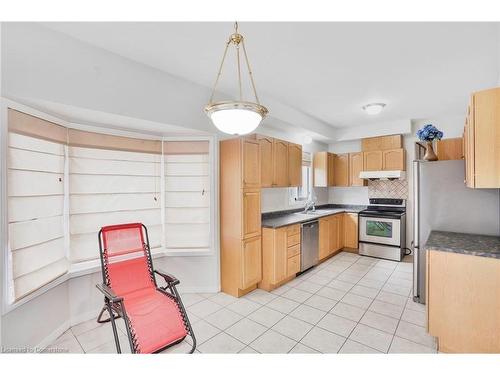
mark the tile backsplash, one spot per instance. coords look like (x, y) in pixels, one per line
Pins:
(388, 189)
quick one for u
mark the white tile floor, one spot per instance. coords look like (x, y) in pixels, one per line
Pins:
(348, 304)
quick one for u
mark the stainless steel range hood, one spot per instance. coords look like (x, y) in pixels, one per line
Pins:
(382, 175)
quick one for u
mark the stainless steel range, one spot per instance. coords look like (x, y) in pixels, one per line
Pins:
(382, 229)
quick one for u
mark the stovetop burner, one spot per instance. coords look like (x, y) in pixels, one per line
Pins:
(385, 206)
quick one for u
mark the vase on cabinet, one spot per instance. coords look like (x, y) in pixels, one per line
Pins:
(430, 155)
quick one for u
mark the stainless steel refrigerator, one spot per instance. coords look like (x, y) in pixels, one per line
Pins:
(441, 201)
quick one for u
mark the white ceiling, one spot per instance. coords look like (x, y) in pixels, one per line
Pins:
(326, 70)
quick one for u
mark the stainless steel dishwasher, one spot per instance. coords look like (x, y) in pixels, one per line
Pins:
(309, 251)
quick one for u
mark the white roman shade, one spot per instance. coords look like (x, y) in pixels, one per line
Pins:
(113, 180)
(187, 196)
(35, 189)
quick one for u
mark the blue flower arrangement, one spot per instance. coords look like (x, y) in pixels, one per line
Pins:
(429, 133)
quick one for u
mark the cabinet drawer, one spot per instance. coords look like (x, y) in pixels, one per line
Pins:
(293, 250)
(293, 265)
(292, 230)
(293, 240)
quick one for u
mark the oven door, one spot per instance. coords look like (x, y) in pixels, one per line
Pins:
(380, 230)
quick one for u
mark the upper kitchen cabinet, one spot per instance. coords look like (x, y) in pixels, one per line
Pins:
(266, 161)
(320, 169)
(280, 163)
(341, 170)
(355, 167)
(323, 169)
(394, 160)
(372, 160)
(386, 142)
(450, 149)
(294, 164)
(250, 149)
(482, 140)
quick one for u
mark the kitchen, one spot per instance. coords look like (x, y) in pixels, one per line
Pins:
(346, 221)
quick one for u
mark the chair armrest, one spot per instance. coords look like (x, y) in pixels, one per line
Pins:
(109, 293)
(170, 279)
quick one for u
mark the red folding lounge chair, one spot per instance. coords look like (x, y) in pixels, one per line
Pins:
(154, 316)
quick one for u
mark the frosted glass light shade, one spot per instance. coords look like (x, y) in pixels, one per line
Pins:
(236, 118)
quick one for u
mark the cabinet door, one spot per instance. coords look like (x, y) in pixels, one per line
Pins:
(394, 160)
(341, 170)
(294, 164)
(324, 238)
(251, 163)
(280, 255)
(251, 213)
(331, 169)
(320, 169)
(372, 160)
(280, 163)
(356, 166)
(251, 262)
(351, 230)
(450, 149)
(340, 231)
(333, 234)
(266, 165)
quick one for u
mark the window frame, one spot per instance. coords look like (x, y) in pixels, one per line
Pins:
(93, 266)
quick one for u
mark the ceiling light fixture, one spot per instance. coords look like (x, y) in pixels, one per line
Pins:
(374, 108)
(236, 116)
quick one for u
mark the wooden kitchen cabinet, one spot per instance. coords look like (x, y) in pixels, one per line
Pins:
(266, 161)
(251, 272)
(331, 169)
(482, 140)
(323, 169)
(450, 149)
(351, 231)
(240, 215)
(331, 235)
(394, 160)
(251, 213)
(355, 167)
(280, 255)
(251, 163)
(280, 163)
(340, 170)
(294, 164)
(373, 160)
(385, 142)
(324, 237)
(463, 302)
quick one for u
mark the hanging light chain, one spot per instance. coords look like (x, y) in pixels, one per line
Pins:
(250, 72)
(220, 71)
(236, 39)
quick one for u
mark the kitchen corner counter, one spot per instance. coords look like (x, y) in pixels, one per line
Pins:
(464, 243)
(283, 218)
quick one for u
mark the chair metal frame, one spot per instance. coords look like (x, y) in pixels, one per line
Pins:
(113, 303)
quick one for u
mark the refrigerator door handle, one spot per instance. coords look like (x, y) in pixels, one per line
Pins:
(416, 254)
(415, 243)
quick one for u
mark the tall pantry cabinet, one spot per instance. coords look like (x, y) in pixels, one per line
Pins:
(240, 215)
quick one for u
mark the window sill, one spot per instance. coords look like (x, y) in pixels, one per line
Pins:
(93, 266)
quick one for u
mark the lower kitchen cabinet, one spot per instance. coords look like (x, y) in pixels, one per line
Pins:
(463, 302)
(337, 232)
(351, 232)
(251, 262)
(280, 255)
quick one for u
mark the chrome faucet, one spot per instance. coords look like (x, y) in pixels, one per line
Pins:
(311, 203)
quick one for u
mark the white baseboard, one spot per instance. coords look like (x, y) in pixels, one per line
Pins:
(54, 335)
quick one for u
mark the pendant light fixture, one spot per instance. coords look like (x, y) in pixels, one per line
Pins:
(236, 116)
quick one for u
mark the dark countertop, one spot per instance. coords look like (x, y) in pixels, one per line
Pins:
(464, 243)
(279, 219)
